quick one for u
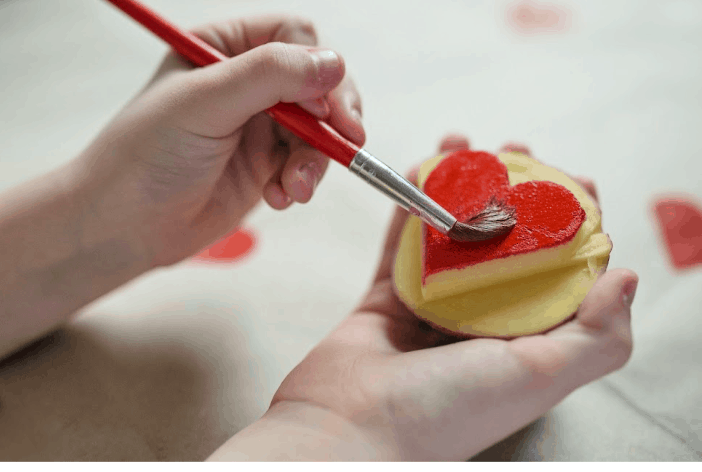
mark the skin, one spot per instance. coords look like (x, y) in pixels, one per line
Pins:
(385, 386)
(183, 164)
(178, 168)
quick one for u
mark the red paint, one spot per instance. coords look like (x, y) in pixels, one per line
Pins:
(306, 126)
(547, 213)
(530, 17)
(233, 247)
(681, 225)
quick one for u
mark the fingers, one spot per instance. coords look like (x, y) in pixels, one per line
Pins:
(610, 298)
(516, 147)
(217, 100)
(234, 37)
(527, 376)
(346, 111)
(302, 172)
(589, 186)
(306, 166)
(586, 183)
(514, 382)
(392, 238)
(275, 196)
(266, 68)
(342, 107)
(453, 142)
(268, 157)
(274, 71)
(597, 342)
(319, 107)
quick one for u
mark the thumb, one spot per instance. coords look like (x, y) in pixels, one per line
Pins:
(502, 386)
(220, 98)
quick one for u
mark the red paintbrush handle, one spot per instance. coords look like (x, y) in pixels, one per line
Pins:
(315, 132)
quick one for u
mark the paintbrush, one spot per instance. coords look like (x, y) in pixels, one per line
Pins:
(494, 220)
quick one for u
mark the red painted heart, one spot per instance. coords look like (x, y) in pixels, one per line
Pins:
(681, 224)
(547, 213)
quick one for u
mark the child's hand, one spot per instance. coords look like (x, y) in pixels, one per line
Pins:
(385, 385)
(192, 154)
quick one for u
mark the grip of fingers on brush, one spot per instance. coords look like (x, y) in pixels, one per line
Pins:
(303, 124)
(315, 132)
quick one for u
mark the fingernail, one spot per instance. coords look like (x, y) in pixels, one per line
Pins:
(311, 173)
(308, 177)
(351, 104)
(629, 292)
(280, 198)
(516, 147)
(330, 68)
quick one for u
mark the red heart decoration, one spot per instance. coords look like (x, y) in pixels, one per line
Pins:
(529, 17)
(681, 224)
(230, 248)
(547, 213)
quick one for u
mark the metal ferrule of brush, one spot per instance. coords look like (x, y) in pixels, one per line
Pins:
(409, 197)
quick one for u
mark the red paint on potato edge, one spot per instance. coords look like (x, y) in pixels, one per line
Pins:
(680, 221)
(547, 214)
(233, 247)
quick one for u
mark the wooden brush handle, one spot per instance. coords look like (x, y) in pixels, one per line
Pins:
(315, 132)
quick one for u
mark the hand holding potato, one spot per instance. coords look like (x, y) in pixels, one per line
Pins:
(385, 385)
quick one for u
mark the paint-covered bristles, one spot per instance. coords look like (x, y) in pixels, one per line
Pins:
(495, 220)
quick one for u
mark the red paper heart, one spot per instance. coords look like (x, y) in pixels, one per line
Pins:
(681, 224)
(547, 213)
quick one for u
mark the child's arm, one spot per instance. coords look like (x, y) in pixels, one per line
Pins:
(55, 257)
(179, 167)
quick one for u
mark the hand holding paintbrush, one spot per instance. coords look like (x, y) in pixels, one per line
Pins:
(493, 221)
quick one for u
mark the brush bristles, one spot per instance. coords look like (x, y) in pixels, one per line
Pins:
(495, 220)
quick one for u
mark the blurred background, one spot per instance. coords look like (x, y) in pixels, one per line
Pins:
(608, 89)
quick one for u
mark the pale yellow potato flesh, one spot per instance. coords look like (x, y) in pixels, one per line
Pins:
(513, 306)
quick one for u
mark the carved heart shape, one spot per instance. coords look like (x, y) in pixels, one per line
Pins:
(548, 215)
